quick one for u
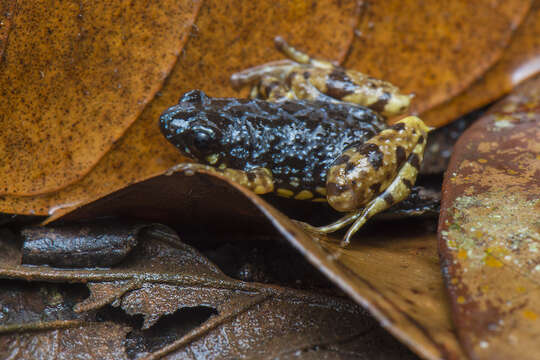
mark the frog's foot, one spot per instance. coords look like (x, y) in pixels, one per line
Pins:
(258, 180)
(272, 89)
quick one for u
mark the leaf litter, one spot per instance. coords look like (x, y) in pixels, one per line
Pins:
(163, 276)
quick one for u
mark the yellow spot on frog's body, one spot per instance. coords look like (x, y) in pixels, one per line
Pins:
(319, 200)
(529, 314)
(212, 159)
(222, 166)
(511, 172)
(321, 190)
(460, 299)
(462, 254)
(482, 161)
(492, 261)
(304, 195)
(259, 189)
(285, 193)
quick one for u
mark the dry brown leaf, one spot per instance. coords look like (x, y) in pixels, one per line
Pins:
(74, 77)
(433, 49)
(520, 60)
(410, 302)
(228, 36)
(489, 230)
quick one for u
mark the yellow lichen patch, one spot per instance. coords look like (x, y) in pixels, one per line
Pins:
(529, 314)
(304, 195)
(492, 261)
(482, 161)
(462, 254)
(321, 190)
(319, 200)
(284, 192)
(478, 234)
(460, 299)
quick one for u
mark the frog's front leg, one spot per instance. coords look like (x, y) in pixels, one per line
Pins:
(371, 177)
(258, 180)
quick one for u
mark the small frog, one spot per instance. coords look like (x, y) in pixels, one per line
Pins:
(306, 78)
(305, 134)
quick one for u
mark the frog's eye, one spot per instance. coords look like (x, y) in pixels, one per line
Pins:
(203, 139)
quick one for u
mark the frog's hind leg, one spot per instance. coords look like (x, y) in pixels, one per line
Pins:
(258, 180)
(397, 191)
(299, 56)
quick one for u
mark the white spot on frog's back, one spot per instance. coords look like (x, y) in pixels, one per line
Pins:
(179, 123)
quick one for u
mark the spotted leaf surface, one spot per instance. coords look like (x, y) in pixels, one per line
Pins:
(74, 77)
(488, 230)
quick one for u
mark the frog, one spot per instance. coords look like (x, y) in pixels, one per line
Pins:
(306, 78)
(310, 130)
(334, 152)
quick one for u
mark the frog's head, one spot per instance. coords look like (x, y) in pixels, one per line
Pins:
(192, 129)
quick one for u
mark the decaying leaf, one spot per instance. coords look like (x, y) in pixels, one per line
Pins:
(36, 321)
(396, 297)
(519, 61)
(163, 276)
(228, 36)
(433, 49)
(74, 77)
(489, 230)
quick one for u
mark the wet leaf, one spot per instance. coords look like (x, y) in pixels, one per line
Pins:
(228, 36)
(99, 244)
(489, 230)
(433, 49)
(36, 321)
(520, 60)
(252, 320)
(74, 77)
(396, 278)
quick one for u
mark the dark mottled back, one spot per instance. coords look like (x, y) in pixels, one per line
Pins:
(296, 140)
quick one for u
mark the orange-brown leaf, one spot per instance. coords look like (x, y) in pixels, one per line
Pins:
(74, 77)
(520, 60)
(433, 49)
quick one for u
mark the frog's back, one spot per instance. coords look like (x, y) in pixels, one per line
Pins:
(296, 140)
